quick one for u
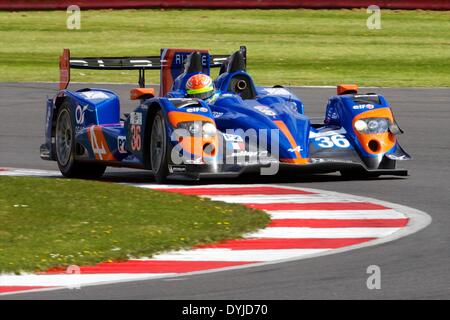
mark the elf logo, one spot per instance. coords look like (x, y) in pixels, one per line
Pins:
(197, 109)
(363, 106)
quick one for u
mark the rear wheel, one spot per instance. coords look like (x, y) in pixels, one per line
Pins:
(159, 148)
(65, 149)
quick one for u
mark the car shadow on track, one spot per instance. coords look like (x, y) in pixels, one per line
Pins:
(251, 178)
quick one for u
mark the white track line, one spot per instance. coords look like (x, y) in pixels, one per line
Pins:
(336, 214)
(279, 199)
(72, 280)
(235, 255)
(328, 233)
(29, 172)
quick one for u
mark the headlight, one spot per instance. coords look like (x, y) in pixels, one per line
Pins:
(372, 125)
(360, 125)
(209, 130)
(196, 128)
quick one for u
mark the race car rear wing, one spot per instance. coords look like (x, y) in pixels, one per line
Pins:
(170, 62)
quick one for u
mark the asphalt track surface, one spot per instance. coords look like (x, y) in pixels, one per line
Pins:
(414, 267)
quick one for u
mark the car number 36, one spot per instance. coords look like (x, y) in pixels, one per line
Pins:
(337, 140)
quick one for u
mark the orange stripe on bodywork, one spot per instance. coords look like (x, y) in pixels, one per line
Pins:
(99, 145)
(195, 145)
(385, 140)
(295, 160)
(175, 117)
(298, 160)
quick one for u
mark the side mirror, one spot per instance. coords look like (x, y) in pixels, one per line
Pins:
(142, 93)
(347, 89)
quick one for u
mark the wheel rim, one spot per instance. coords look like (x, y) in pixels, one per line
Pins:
(63, 138)
(158, 144)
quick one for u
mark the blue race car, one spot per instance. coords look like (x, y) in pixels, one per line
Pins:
(240, 128)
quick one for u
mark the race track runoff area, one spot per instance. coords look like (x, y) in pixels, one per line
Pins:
(305, 223)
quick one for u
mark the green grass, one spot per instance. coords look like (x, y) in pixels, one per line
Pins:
(297, 47)
(58, 222)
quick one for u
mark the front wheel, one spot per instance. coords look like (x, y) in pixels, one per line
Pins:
(65, 149)
(159, 148)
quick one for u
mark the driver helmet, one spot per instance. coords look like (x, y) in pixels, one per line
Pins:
(200, 86)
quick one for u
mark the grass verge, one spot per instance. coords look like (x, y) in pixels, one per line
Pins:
(290, 47)
(47, 223)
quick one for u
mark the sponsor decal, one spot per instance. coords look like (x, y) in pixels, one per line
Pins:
(94, 95)
(337, 140)
(313, 134)
(136, 118)
(296, 149)
(197, 109)
(293, 106)
(394, 157)
(136, 137)
(194, 161)
(131, 158)
(79, 114)
(278, 91)
(228, 95)
(236, 141)
(322, 160)
(266, 110)
(180, 58)
(217, 114)
(331, 115)
(363, 106)
(243, 153)
(175, 169)
(121, 140)
(99, 144)
(232, 137)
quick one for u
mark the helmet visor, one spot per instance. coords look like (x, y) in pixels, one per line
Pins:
(202, 95)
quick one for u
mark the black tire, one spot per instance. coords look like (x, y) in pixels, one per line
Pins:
(159, 151)
(65, 149)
